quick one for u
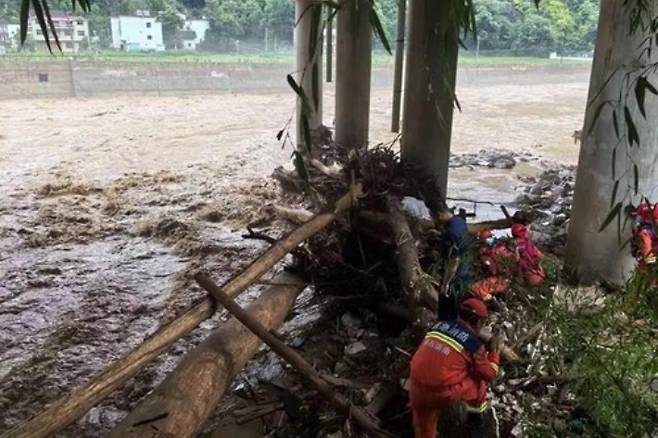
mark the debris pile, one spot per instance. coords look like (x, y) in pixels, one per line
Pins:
(550, 196)
(364, 340)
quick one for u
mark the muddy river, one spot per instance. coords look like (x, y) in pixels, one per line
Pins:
(107, 204)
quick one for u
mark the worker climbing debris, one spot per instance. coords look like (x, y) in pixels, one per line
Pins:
(528, 256)
(454, 247)
(493, 263)
(453, 367)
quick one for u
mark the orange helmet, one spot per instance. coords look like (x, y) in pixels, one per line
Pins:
(486, 233)
(476, 307)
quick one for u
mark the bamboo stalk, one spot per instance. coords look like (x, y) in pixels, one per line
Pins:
(330, 47)
(293, 358)
(70, 408)
(399, 63)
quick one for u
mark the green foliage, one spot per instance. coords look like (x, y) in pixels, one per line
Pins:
(560, 25)
(234, 18)
(607, 345)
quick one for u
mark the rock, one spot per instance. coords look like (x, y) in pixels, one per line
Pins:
(503, 163)
(355, 348)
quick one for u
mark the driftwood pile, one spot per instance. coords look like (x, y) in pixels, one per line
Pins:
(370, 261)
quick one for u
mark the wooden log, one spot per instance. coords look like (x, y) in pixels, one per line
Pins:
(180, 405)
(70, 408)
(415, 282)
(293, 358)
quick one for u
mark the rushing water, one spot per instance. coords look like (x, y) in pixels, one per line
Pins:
(108, 204)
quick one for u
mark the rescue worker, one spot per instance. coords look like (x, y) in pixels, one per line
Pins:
(453, 366)
(645, 240)
(528, 256)
(454, 247)
(494, 260)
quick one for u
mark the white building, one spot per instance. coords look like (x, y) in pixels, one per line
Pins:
(193, 33)
(138, 33)
(72, 32)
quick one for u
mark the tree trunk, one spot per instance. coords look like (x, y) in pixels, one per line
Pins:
(431, 73)
(308, 41)
(399, 64)
(595, 255)
(181, 404)
(353, 71)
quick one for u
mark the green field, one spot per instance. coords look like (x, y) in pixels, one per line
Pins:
(379, 58)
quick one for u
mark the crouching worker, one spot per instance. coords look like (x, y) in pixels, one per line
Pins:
(528, 256)
(452, 366)
(494, 261)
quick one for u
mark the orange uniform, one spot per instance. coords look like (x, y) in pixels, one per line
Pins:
(528, 256)
(451, 365)
(493, 257)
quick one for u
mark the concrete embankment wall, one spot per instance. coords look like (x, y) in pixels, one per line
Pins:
(86, 79)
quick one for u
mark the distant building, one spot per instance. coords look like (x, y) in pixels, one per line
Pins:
(5, 41)
(137, 33)
(72, 32)
(193, 33)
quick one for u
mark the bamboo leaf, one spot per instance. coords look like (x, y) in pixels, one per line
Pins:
(616, 210)
(300, 93)
(650, 87)
(615, 188)
(614, 163)
(636, 179)
(640, 94)
(379, 29)
(279, 134)
(51, 24)
(306, 131)
(633, 136)
(615, 123)
(38, 12)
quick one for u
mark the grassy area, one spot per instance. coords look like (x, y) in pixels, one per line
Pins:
(379, 58)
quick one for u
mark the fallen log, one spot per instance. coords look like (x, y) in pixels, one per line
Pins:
(415, 282)
(181, 404)
(293, 358)
(70, 408)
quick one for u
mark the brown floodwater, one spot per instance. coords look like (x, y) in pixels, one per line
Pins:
(107, 205)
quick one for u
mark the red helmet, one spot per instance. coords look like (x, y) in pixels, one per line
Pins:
(643, 211)
(519, 231)
(476, 307)
(485, 234)
(655, 213)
